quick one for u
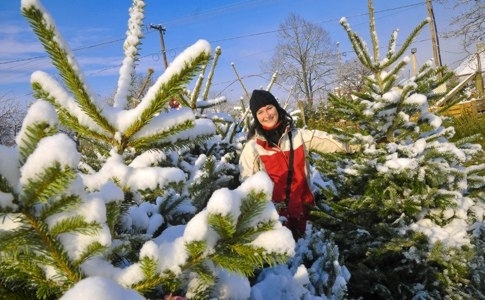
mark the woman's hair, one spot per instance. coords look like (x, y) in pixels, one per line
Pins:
(284, 117)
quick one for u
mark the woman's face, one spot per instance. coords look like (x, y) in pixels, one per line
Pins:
(267, 116)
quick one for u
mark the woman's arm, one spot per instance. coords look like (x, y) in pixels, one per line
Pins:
(323, 142)
(248, 160)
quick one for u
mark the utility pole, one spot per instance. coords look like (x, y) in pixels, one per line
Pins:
(434, 35)
(161, 30)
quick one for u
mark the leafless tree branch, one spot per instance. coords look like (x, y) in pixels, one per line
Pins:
(305, 58)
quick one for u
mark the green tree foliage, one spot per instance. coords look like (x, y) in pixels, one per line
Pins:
(66, 206)
(406, 211)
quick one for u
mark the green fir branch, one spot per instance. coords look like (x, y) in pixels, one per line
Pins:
(166, 92)
(32, 136)
(405, 45)
(66, 118)
(251, 207)
(388, 82)
(149, 267)
(391, 44)
(200, 290)
(394, 73)
(61, 59)
(5, 187)
(16, 240)
(74, 224)
(179, 144)
(358, 45)
(201, 189)
(49, 183)
(39, 244)
(397, 122)
(92, 250)
(239, 260)
(372, 86)
(27, 279)
(363, 95)
(361, 50)
(55, 250)
(234, 252)
(244, 258)
(197, 262)
(373, 33)
(169, 206)
(153, 279)
(196, 90)
(114, 211)
(423, 76)
(205, 274)
(196, 250)
(248, 234)
(147, 142)
(223, 225)
(65, 203)
(222, 127)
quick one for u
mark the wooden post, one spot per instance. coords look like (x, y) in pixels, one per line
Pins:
(479, 77)
(434, 35)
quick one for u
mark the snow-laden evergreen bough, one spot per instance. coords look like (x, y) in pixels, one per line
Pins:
(105, 210)
(407, 212)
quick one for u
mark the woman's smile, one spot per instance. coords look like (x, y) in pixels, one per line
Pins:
(268, 116)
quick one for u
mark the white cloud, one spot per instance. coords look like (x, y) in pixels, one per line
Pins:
(15, 48)
(12, 29)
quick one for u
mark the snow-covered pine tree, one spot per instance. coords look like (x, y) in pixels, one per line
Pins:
(108, 212)
(408, 211)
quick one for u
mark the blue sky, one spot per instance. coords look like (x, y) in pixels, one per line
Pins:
(246, 31)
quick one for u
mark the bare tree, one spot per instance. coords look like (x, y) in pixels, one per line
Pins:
(469, 24)
(305, 58)
(350, 77)
(11, 116)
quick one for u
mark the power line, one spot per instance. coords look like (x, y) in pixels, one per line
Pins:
(212, 12)
(222, 9)
(377, 12)
(76, 49)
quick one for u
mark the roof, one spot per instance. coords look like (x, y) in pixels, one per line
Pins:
(470, 64)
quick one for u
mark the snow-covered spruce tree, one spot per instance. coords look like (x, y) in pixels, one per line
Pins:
(106, 212)
(407, 212)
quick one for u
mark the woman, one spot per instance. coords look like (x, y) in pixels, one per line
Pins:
(277, 147)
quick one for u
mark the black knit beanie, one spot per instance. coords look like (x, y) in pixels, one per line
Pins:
(261, 98)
